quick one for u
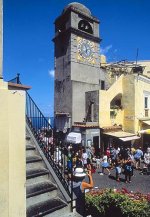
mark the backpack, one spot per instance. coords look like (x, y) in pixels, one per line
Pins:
(128, 168)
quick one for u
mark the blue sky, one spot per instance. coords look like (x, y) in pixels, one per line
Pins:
(29, 29)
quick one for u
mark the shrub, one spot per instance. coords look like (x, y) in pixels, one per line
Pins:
(104, 203)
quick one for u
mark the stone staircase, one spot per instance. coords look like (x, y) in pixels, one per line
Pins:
(44, 194)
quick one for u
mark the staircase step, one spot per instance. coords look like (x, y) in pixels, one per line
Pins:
(41, 191)
(45, 207)
(39, 188)
(34, 161)
(31, 153)
(33, 158)
(30, 147)
(32, 173)
(28, 137)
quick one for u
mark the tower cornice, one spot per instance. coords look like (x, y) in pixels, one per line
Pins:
(78, 33)
(73, 9)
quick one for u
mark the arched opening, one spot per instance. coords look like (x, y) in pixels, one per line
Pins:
(116, 102)
(85, 26)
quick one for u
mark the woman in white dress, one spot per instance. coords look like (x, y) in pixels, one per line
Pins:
(105, 165)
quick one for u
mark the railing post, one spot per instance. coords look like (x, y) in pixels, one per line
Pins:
(18, 79)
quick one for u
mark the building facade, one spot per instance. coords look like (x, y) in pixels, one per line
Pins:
(126, 104)
(77, 64)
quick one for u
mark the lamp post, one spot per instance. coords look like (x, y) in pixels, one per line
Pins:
(71, 182)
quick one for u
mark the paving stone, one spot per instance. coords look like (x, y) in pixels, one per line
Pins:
(139, 182)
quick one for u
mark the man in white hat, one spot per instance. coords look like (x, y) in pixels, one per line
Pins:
(79, 186)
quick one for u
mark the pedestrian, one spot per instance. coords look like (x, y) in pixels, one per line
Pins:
(137, 157)
(79, 163)
(148, 149)
(89, 166)
(146, 166)
(108, 152)
(84, 159)
(105, 165)
(128, 171)
(113, 156)
(79, 186)
(98, 162)
(118, 169)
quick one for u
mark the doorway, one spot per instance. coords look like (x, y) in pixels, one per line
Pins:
(96, 144)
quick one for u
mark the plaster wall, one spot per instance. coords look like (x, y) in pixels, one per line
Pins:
(129, 103)
(78, 99)
(92, 96)
(146, 65)
(63, 88)
(105, 97)
(132, 87)
(1, 37)
(142, 86)
(12, 152)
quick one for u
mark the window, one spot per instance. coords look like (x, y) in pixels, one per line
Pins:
(90, 112)
(146, 102)
(102, 85)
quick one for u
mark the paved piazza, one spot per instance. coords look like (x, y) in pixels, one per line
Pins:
(140, 183)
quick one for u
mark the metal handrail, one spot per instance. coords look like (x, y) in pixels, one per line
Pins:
(44, 135)
(43, 132)
(16, 79)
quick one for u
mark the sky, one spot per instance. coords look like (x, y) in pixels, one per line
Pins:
(28, 30)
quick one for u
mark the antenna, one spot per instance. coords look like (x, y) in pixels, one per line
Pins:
(137, 53)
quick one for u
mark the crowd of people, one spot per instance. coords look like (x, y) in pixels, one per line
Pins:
(83, 161)
(122, 160)
(125, 160)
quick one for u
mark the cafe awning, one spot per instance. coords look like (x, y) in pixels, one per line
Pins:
(129, 138)
(146, 122)
(119, 134)
(147, 131)
(74, 138)
(124, 136)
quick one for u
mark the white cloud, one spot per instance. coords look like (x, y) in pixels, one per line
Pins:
(105, 49)
(51, 73)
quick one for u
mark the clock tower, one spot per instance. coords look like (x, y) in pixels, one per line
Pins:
(77, 63)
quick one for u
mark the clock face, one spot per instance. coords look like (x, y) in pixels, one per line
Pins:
(85, 49)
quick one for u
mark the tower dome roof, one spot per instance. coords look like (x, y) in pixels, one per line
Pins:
(80, 7)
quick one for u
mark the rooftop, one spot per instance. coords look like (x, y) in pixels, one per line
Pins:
(78, 6)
